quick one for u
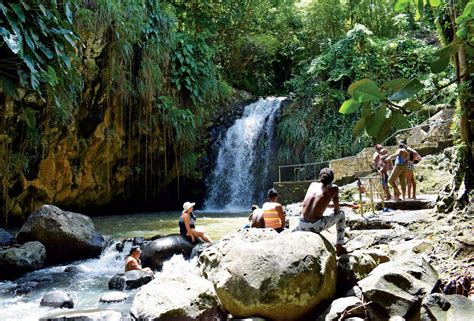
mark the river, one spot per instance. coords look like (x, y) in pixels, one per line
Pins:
(87, 287)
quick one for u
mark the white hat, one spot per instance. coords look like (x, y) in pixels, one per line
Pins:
(188, 205)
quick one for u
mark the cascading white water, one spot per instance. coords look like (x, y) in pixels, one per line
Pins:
(241, 170)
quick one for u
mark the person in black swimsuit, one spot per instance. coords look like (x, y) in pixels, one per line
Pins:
(187, 224)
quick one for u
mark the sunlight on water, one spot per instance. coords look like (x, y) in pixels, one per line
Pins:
(164, 223)
(88, 286)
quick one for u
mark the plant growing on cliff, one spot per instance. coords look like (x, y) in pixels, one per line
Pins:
(37, 50)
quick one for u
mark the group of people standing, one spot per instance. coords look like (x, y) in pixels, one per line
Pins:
(402, 170)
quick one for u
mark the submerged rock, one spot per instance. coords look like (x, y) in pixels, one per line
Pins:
(453, 307)
(162, 249)
(17, 260)
(25, 288)
(67, 236)
(258, 272)
(396, 288)
(129, 280)
(85, 315)
(57, 299)
(185, 297)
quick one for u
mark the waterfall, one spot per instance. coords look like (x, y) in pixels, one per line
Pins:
(240, 175)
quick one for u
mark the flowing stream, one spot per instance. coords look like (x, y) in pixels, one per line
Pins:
(88, 286)
(241, 173)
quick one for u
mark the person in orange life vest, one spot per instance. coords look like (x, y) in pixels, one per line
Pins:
(271, 214)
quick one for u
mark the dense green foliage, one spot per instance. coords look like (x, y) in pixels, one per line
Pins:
(390, 104)
(138, 81)
(308, 126)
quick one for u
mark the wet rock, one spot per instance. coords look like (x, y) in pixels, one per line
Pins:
(119, 246)
(67, 236)
(138, 241)
(183, 297)
(342, 306)
(57, 299)
(25, 288)
(396, 288)
(17, 260)
(162, 249)
(73, 269)
(129, 280)
(115, 296)
(453, 307)
(260, 272)
(5, 237)
(85, 315)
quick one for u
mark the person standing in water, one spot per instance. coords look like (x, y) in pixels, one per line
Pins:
(187, 224)
(316, 201)
(271, 214)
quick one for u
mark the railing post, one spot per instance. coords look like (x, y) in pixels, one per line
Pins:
(279, 174)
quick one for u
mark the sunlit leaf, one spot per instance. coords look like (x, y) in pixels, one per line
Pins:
(349, 106)
(365, 90)
(12, 40)
(401, 5)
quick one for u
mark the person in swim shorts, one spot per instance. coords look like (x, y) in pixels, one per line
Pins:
(316, 201)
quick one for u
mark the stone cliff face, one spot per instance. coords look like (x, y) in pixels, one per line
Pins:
(109, 150)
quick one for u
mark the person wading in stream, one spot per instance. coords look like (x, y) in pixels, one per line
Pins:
(316, 201)
(133, 261)
(187, 224)
(271, 214)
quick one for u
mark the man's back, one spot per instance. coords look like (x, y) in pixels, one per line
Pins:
(317, 199)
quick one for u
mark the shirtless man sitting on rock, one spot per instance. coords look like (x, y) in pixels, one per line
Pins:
(133, 261)
(317, 199)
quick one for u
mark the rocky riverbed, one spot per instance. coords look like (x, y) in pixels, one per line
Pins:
(402, 265)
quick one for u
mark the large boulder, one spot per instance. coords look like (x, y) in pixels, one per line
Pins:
(67, 236)
(396, 288)
(258, 272)
(5, 237)
(443, 307)
(129, 280)
(17, 260)
(57, 299)
(180, 297)
(162, 249)
(85, 315)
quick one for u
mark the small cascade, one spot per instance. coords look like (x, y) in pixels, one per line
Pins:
(240, 175)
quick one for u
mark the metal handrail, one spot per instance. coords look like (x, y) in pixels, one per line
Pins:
(298, 165)
(428, 123)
